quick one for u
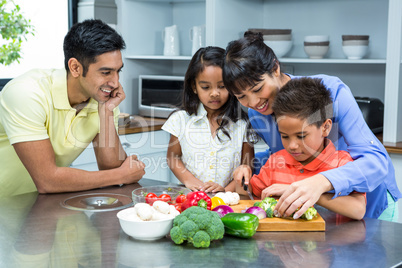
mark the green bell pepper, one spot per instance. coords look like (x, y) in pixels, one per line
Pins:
(242, 225)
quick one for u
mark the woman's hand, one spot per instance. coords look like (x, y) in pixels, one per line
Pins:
(302, 194)
(212, 187)
(274, 190)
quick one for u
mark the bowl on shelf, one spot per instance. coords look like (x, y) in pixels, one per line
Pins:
(281, 47)
(347, 37)
(316, 49)
(316, 38)
(277, 37)
(143, 230)
(355, 52)
(272, 31)
(139, 194)
(355, 43)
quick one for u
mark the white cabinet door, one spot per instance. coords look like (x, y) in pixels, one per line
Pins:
(151, 148)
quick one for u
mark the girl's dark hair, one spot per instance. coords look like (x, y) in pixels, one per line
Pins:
(246, 61)
(304, 98)
(88, 39)
(231, 110)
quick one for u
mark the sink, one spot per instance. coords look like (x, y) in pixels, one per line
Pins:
(97, 202)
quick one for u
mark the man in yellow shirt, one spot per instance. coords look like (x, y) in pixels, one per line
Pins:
(48, 117)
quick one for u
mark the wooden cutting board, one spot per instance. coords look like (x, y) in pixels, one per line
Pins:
(280, 224)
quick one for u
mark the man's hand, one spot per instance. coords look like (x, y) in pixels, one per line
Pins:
(134, 169)
(116, 97)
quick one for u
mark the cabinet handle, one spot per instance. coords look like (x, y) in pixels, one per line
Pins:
(126, 145)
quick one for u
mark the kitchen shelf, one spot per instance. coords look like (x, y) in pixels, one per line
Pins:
(342, 61)
(157, 57)
(283, 60)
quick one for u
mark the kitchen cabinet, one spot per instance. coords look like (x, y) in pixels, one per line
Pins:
(150, 147)
(377, 76)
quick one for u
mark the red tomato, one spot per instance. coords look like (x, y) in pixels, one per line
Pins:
(177, 206)
(181, 198)
(165, 198)
(150, 198)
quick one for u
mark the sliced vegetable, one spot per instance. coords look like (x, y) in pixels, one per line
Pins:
(198, 198)
(259, 212)
(242, 225)
(216, 201)
(222, 210)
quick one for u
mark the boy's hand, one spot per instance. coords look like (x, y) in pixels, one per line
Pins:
(276, 189)
(242, 171)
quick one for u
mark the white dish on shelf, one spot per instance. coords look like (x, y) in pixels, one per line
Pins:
(280, 48)
(316, 52)
(316, 38)
(355, 52)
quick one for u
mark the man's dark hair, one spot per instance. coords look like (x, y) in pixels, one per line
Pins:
(304, 98)
(87, 40)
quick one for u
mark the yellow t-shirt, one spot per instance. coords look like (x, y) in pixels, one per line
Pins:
(34, 107)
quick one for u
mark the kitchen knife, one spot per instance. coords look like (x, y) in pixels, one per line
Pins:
(245, 187)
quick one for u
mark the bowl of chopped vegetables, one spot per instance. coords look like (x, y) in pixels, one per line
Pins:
(167, 193)
(147, 222)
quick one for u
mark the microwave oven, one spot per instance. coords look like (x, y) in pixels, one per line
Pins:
(159, 95)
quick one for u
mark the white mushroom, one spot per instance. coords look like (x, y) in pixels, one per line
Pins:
(161, 207)
(173, 211)
(157, 216)
(145, 212)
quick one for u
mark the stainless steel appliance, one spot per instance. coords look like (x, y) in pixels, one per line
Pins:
(159, 95)
(373, 112)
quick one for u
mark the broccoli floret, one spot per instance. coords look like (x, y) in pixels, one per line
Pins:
(197, 226)
(270, 211)
(201, 239)
(267, 202)
(176, 235)
(257, 204)
(310, 213)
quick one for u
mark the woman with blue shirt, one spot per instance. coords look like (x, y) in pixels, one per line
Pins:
(252, 73)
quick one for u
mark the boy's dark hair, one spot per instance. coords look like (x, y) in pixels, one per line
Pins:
(231, 110)
(246, 61)
(87, 40)
(304, 98)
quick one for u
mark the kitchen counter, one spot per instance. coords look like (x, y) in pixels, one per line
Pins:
(37, 231)
(138, 124)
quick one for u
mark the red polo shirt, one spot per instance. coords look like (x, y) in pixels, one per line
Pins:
(282, 168)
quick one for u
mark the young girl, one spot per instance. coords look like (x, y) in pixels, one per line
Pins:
(209, 134)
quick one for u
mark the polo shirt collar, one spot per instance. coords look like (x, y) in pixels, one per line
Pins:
(60, 96)
(317, 162)
(59, 90)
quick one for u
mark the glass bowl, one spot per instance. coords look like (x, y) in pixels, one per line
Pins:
(139, 194)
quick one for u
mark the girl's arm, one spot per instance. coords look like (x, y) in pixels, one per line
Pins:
(352, 205)
(247, 157)
(178, 168)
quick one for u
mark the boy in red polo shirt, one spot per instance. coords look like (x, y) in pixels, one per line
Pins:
(303, 111)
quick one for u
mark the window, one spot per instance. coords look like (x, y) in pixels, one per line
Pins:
(45, 49)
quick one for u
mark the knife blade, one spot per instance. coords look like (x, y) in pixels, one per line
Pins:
(245, 187)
